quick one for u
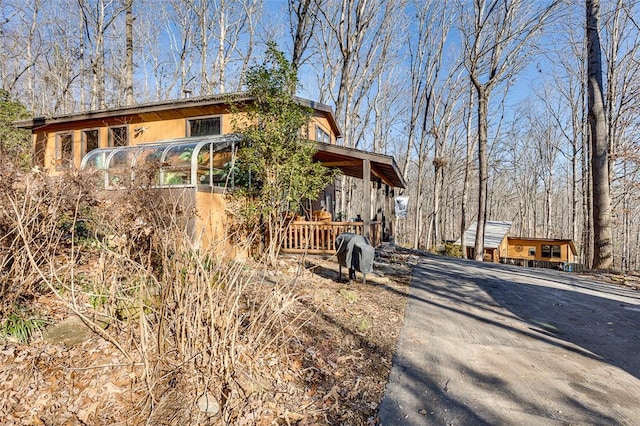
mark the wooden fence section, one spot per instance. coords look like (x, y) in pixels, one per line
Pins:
(375, 233)
(320, 237)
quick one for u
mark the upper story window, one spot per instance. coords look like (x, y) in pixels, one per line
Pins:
(322, 136)
(550, 251)
(205, 126)
(64, 149)
(118, 136)
(90, 141)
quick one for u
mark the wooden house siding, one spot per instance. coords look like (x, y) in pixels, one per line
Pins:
(521, 248)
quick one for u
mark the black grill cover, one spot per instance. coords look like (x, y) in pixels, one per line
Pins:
(355, 252)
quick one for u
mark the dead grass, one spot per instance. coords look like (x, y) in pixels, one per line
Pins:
(181, 335)
(330, 369)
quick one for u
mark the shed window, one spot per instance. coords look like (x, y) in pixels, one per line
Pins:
(118, 136)
(89, 141)
(322, 136)
(550, 250)
(207, 126)
(64, 149)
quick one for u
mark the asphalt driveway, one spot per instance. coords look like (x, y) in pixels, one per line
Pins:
(496, 344)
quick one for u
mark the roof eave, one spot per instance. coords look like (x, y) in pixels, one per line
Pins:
(163, 106)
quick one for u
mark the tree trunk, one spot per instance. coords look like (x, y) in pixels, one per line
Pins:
(221, 62)
(418, 208)
(203, 23)
(464, 199)
(603, 244)
(574, 192)
(128, 65)
(302, 15)
(547, 209)
(483, 177)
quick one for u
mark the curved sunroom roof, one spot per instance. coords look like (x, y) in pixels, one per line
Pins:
(183, 162)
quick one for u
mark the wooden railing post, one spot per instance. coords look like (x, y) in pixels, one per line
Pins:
(366, 201)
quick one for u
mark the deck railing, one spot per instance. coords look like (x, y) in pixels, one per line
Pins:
(320, 237)
(545, 264)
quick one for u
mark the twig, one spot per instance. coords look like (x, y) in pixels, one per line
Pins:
(93, 367)
(34, 264)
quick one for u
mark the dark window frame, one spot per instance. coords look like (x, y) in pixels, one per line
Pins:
(112, 137)
(551, 251)
(322, 135)
(84, 150)
(61, 161)
(191, 120)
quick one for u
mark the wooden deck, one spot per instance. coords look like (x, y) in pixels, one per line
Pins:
(320, 237)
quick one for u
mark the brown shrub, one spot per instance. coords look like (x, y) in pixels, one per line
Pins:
(194, 320)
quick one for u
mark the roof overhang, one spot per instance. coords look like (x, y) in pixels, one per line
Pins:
(350, 162)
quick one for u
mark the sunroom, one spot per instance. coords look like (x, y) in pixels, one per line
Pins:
(178, 163)
(193, 172)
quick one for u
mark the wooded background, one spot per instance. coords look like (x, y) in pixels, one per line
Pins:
(477, 100)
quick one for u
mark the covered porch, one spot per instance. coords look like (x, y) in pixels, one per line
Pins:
(380, 175)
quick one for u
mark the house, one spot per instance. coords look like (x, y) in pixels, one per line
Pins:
(190, 143)
(495, 240)
(535, 252)
(540, 252)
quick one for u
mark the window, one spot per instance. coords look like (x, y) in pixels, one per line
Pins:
(322, 136)
(89, 141)
(206, 126)
(532, 251)
(118, 136)
(64, 150)
(550, 251)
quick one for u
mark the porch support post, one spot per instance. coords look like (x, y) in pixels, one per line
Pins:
(392, 211)
(386, 230)
(366, 202)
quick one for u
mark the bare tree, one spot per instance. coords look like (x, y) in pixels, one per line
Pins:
(236, 20)
(303, 18)
(496, 41)
(22, 48)
(544, 135)
(567, 104)
(231, 20)
(445, 116)
(180, 31)
(425, 46)
(622, 105)
(470, 145)
(98, 18)
(523, 172)
(355, 47)
(603, 244)
(128, 64)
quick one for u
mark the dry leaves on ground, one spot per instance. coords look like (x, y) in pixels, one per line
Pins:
(331, 370)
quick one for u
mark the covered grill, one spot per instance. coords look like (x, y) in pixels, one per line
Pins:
(356, 253)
